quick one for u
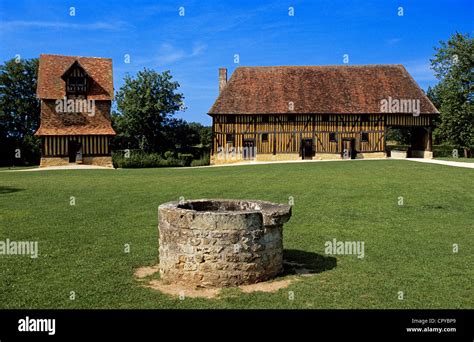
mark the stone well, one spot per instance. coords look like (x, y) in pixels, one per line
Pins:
(220, 243)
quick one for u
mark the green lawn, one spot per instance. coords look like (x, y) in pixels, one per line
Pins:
(407, 248)
(5, 168)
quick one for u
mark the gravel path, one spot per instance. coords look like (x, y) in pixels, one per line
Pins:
(420, 160)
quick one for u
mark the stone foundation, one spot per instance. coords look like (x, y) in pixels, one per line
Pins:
(327, 156)
(368, 155)
(221, 243)
(278, 157)
(54, 161)
(64, 161)
(398, 154)
(421, 154)
(295, 156)
(99, 161)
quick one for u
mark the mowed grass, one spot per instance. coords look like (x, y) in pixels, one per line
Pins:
(408, 248)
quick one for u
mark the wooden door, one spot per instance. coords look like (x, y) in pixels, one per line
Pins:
(307, 146)
(72, 150)
(348, 149)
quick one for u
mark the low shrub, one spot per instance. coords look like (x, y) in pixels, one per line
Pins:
(139, 159)
(186, 158)
(203, 161)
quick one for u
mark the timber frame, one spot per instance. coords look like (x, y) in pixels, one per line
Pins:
(285, 133)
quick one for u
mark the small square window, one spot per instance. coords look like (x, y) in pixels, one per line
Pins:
(264, 137)
(325, 118)
(364, 118)
(265, 119)
(332, 137)
(364, 137)
(231, 119)
(291, 118)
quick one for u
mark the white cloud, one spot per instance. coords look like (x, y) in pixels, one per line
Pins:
(198, 49)
(169, 54)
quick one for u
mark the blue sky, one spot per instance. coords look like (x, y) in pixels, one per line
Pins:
(211, 33)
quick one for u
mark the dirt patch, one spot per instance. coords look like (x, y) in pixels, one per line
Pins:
(146, 271)
(298, 272)
(268, 286)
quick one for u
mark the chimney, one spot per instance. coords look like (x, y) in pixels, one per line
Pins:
(222, 78)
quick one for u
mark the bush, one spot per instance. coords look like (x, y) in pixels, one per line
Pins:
(398, 147)
(445, 151)
(186, 158)
(139, 159)
(169, 154)
(203, 161)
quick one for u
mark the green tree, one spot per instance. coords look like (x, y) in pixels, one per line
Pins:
(146, 104)
(453, 65)
(19, 112)
(204, 134)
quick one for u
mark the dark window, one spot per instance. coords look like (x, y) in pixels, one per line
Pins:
(76, 81)
(264, 137)
(364, 118)
(364, 137)
(325, 118)
(231, 119)
(76, 85)
(332, 137)
(291, 118)
(229, 138)
(265, 119)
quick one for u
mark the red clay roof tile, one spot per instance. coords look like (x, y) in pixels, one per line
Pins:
(317, 89)
(52, 67)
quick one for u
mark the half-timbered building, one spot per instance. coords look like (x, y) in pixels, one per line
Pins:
(317, 112)
(76, 95)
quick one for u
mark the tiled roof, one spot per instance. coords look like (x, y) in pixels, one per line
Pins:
(52, 67)
(75, 130)
(317, 89)
(53, 123)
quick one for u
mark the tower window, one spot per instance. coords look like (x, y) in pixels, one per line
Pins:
(76, 80)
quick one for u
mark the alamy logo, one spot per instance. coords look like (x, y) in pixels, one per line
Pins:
(75, 106)
(9, 247)
(400, 106)
(28, 324)
(345, 248)
(236, 153)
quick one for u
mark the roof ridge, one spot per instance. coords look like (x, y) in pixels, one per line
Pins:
(322, 66)
(68, 56)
